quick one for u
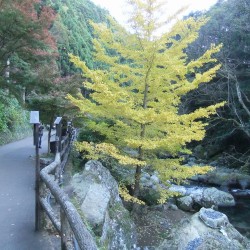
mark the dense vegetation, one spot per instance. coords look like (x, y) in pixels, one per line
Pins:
(36, 37)
(72, 31)
(26, 46)
(229, 131)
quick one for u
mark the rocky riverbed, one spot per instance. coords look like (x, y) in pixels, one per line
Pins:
(150, 227)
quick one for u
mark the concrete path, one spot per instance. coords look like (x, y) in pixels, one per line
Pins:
(17, 198)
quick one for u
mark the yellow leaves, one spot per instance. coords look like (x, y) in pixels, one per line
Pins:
(143, 116)
(202, 113)
(205, 58)
(173, 170)
(165, 194)
(135, 94)
(96, 151)
(143, 143)
(124, 193)
(207, 76)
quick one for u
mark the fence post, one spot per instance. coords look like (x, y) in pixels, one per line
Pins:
(65, 232)
(37, 184)
(34, 119)
(58, 145)
(58, 133)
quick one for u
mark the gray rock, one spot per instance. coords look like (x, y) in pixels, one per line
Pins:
(154, 179)
(244, 183)
(212, 218)
(213, 196)
(224, 177)
(146, 175)
(180, 189)
(194, 234)
(97, 192)
(145, 179)
(185, 203)
(95, 203)
(45, 162)
(204, 197)
(173, 207)
(239, 192)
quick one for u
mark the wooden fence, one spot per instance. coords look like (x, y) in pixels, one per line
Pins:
(69, 223)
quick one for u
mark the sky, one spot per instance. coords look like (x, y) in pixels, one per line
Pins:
(117, 7)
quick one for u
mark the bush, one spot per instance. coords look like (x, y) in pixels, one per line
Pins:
(88, 135)
(14, 121)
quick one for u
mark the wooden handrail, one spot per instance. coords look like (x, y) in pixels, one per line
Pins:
(84, 238)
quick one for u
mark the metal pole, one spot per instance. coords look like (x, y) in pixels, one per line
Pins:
(37, 182)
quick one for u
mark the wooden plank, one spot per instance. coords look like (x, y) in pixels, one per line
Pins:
(51, 214)
(65, 232)
(84, 238)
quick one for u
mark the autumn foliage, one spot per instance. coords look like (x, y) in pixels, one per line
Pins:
(26, 27)
(136, 94)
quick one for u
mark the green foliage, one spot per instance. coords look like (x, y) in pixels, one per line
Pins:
(73, 32)
(14, 123)
(228, 24)
(150, 196)
(25, 42)
(77, 162)
(86, 134)
(3, 118)
(29, 46)
(11, 111)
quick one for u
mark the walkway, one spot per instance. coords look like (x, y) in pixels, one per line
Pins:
(17, 198)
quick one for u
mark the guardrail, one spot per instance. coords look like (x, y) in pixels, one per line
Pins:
(69, 224)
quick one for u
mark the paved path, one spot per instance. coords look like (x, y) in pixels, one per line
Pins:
(17, 198)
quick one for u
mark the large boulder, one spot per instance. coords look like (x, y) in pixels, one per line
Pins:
(185, 203)
(225, 178)
(97, 193)
(213, 196)
(193, 198)
(207, 229)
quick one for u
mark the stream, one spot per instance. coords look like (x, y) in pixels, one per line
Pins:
(239, 215)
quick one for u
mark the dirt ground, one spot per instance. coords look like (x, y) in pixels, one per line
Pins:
(154, 223)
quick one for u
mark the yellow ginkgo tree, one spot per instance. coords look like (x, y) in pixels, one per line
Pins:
(136, 92)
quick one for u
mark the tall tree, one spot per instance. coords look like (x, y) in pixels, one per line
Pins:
(51, 101)
(135, 97)
(25, 41)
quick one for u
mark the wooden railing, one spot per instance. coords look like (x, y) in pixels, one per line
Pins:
(69, 224)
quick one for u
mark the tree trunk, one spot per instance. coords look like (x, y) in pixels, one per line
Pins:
(137, 181)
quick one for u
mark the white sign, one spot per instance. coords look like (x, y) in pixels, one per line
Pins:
(34, 117)
(58, 120)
